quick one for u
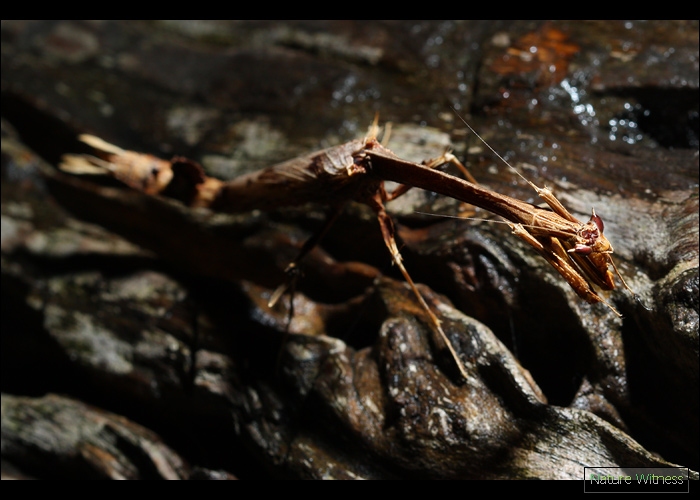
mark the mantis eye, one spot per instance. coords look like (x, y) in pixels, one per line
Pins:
(598, 221)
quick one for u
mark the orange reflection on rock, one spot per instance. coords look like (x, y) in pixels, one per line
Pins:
(543, 55)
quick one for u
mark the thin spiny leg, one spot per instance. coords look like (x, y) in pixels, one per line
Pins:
(293, 273)
(292, 269)
(388, 235)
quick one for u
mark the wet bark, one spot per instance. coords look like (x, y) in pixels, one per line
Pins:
(152, 321)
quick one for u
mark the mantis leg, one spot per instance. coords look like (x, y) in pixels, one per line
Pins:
(387, 228)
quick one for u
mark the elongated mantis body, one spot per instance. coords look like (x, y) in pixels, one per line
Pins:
(356, 170)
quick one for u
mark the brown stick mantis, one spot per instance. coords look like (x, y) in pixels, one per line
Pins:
(356, 171)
